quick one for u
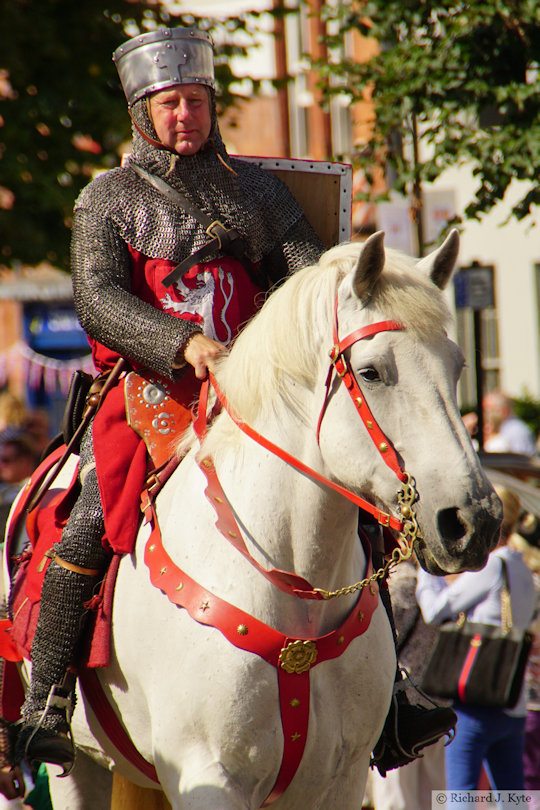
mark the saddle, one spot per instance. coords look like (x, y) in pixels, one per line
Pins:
(158, 412)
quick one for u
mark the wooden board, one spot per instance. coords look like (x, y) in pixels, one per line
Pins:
(323, 189)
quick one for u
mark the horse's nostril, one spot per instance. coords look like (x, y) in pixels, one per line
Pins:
(450, 526)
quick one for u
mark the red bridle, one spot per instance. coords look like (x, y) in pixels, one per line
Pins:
(339, 363)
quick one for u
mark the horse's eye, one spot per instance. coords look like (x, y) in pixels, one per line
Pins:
(369, 374)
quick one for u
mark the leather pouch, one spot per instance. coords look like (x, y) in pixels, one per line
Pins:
(75, 404)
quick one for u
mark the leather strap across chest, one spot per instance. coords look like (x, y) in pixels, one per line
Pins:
(223, 239)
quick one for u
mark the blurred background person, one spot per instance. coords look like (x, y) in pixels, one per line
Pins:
(527, 540)
(18, 460)
(12, 416)
(36, 429)
(505, 433)
(486, 736)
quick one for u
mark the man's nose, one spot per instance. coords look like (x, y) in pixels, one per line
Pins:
(183, 110)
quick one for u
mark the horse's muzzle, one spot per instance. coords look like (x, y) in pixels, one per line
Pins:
(462, 545)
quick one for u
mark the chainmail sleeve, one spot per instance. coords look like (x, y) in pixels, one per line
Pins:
(107, 309)
(301, 247)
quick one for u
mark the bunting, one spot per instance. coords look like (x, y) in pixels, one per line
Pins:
(38, 368)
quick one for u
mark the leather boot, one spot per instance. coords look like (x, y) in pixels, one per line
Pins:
(46, 732)
(409, 727)
(46, 736)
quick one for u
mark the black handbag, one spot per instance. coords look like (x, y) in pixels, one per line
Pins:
(479, 664)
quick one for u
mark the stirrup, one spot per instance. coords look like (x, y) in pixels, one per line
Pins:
(409, 728)
(54, 747)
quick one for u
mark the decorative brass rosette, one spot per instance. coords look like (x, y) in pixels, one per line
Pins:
(298, 656)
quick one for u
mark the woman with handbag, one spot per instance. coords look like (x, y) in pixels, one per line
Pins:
(486, 735)
(527, 541)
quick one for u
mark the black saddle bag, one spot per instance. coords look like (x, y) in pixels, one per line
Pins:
(75, 404)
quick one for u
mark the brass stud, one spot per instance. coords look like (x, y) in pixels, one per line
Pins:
(383, 447)
(219, 500)
(341, 639)
(151, 548)
(359, 402)
(296, 736)
(369, 424)
(360, 616)
(205, 605)
(294, 702)
(242, 630)
(163, 570)
(232, 534)
(179, 586)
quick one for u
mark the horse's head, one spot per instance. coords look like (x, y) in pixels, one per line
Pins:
(390, 319)
(387, 313)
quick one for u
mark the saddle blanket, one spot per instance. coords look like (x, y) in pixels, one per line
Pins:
(44, 527)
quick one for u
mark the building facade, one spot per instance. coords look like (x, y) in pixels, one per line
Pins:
(294, 125)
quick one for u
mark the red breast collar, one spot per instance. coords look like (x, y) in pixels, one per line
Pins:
(293, 658)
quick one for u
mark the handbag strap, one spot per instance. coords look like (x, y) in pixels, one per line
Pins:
(226, 239)
(507, 621)
(506, 601)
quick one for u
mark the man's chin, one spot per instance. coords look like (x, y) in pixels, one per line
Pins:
(189, 146)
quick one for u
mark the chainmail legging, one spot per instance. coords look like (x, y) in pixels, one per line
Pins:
(62, 612)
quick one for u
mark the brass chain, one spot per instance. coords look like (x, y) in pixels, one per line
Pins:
(406, 539)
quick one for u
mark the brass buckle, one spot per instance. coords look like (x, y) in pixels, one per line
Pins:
(214, 230)
(152, 482)
(336, 357)
(334, 353)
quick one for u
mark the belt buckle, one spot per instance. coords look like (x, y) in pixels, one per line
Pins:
(216, 230)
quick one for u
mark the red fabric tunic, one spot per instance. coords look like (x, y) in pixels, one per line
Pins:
(220, 297)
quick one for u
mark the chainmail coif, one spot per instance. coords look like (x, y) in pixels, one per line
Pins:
(119, 208)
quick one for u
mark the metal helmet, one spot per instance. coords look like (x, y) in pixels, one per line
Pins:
(162, 58)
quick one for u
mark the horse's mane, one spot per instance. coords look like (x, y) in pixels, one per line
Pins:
(275, 353)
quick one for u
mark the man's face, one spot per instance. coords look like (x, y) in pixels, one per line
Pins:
(181, 117)
(14, 467)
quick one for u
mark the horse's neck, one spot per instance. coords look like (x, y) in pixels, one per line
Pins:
(288, 522)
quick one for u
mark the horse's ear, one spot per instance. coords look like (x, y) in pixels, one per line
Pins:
(369, 266)
(439, 265)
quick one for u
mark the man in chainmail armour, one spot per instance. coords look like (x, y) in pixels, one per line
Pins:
(170, 253)
(127, 237)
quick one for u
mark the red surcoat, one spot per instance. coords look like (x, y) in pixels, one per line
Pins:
(219, 296)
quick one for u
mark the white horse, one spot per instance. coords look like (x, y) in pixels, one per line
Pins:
(203, 710)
